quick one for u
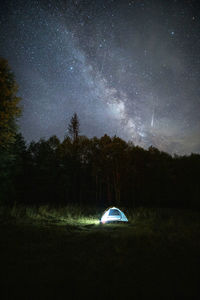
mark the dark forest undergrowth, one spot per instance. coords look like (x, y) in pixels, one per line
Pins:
(61, 253)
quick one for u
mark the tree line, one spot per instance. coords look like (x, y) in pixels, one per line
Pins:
(88, 171)
(103, 171)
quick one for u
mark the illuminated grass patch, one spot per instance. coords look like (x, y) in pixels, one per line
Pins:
(66, 245)
(66, 215)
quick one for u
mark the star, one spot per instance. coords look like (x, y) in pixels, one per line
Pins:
(117, 64)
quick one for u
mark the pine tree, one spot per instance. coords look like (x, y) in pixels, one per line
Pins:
(9, 109)
(73, 127)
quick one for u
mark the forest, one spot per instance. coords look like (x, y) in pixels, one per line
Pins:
(98, 171)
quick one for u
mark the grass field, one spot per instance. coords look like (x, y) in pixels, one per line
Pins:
(65, 253)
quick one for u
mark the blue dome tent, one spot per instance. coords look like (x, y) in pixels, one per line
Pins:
(113, 214)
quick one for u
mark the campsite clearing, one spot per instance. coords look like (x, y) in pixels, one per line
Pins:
(142, 259)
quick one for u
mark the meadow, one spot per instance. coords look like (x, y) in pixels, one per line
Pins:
(64, 253)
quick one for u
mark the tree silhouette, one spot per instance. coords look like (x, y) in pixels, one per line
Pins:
(73, 127)
(9, 109)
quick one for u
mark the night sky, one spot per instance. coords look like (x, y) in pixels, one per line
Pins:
(127, 68)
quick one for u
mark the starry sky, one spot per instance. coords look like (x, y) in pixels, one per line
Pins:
(127, 68)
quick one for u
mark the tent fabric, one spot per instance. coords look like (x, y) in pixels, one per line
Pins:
(113, 214)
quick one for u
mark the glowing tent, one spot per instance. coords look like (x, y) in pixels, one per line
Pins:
(113, 214)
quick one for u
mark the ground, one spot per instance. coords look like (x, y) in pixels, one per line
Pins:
(154, 256)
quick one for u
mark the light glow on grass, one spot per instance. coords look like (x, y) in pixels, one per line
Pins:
(88, 221)
(78, 221)
(62, 216)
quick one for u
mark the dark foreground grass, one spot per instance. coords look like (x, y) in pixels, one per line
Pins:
(66, 254)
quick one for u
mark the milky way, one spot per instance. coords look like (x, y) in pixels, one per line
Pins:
(128, 68)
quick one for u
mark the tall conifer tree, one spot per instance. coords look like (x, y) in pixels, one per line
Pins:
(73, 127)
(9, 109)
